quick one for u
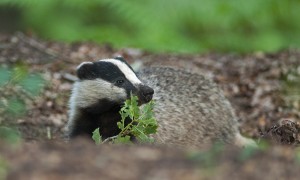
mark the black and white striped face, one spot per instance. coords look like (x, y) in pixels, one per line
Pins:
(111, 79)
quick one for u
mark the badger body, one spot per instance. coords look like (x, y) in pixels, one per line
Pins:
(190, 109)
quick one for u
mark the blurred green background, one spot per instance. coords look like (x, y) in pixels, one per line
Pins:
(161, 25)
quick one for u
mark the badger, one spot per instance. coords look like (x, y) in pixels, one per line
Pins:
(190, 109)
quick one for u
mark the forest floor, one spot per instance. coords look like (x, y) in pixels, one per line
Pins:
(259, 86)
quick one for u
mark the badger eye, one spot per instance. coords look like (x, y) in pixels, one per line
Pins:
(120, 81)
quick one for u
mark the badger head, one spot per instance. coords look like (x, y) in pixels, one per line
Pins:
(109, 80)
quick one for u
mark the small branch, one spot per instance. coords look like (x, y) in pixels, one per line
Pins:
(38, 46)
(109, 139)
(69, 77)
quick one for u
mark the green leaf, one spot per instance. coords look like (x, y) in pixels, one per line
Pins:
(122, 140)
(140, 126)
(20, 71)
(147, 112)
(150, 121)
(120, 125)
(10, 135)
(97, 137)
(151, 129)
(33, 84)
(5, 75)
(140, 135)
(134, 108)
(16, 107)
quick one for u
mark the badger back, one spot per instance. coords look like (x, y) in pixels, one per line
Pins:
(190, 108)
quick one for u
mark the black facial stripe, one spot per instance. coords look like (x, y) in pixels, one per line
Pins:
(108, 71)
(115, 73)
(129, 87)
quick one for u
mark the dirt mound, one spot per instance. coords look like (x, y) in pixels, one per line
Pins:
(83, 160)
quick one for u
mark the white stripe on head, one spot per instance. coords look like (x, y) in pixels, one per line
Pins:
(83, 63)
(129, 74)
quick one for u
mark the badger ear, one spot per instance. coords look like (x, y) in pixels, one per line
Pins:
(86, 70)
(121, 58)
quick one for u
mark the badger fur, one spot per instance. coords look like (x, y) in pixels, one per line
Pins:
(190, 109)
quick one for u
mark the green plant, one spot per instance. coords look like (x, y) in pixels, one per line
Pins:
(17, 85)
(18, 88)
(97, 137)
(10, 135)
(142, 123)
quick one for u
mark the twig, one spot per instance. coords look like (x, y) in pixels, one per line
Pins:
(109, 139)
(69, 77)
(49, 133)
(35, 44)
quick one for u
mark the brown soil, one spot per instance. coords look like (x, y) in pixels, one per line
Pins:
(253, 84)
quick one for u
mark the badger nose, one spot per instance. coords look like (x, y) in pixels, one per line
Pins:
(147, 93)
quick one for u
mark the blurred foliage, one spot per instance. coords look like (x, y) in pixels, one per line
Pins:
(32, 84)
(10, 135)
(166, 25)
(16, 86)
(207, 159)
(247, 153)
(15, 107)
(3, 168)
(291, 87)
(298, 156)
(4, 75)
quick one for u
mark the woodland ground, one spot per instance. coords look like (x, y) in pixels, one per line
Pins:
(253, 83)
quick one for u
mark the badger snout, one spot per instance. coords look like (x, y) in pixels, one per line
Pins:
(146, 94)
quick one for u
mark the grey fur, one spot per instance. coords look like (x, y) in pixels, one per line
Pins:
(191, 110)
